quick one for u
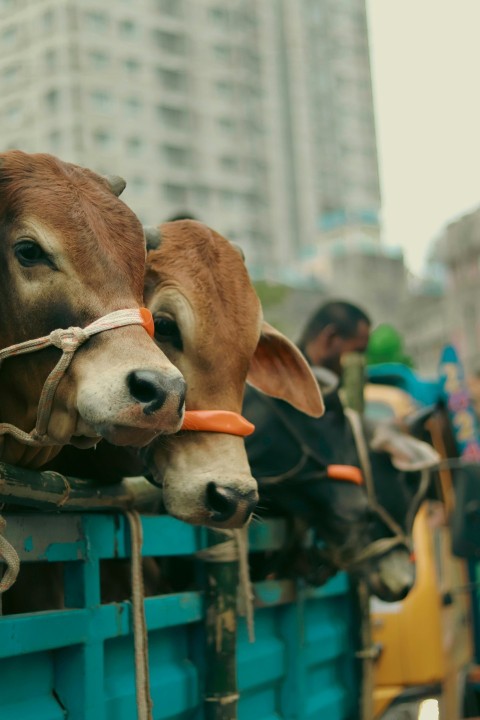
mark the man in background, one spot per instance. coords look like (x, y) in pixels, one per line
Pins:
(336, 328)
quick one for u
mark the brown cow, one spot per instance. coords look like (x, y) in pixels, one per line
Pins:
(208, 321)
(71, 252)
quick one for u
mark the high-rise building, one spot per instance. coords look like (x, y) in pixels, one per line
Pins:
(256, 117)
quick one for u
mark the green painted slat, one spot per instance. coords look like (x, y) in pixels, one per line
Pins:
(49, 630)
(57, 538)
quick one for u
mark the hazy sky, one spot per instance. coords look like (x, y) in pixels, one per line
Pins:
(426, 81)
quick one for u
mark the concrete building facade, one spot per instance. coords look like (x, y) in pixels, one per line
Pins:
(459, 249)
(256, 117)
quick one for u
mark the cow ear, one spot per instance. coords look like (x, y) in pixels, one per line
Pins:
(279, 369)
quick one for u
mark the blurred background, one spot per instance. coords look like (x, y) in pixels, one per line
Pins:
(267, 119)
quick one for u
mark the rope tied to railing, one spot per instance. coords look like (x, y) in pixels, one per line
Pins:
(233, 549)
(8, 555)
(140, 633)
(68, 340)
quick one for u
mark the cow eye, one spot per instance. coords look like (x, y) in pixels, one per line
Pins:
(29, 253)
(167, 331)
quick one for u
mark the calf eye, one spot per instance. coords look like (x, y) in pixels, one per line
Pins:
(167, 331)
(29, 253)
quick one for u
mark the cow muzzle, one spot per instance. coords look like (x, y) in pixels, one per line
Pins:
(205, 475)
(136, 405)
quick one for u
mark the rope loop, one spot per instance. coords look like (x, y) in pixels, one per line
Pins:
(9, 556)
(69, 339)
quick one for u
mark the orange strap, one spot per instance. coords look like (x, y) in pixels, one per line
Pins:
(347, 473)
(147, 323)
(221, 421)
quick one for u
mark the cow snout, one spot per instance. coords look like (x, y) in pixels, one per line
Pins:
(151, 389)
(226, 504)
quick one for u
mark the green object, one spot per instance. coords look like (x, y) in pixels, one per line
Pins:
(386, 345)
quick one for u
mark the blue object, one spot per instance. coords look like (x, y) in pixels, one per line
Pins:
(78, 663)
(425, 391)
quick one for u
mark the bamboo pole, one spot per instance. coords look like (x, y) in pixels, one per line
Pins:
(353, 382)
(51, 491)
(221, 584)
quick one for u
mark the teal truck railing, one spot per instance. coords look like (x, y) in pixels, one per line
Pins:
(78, 662)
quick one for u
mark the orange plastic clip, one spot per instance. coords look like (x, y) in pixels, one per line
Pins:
(221, 421)
(346, 473)
(147, 323)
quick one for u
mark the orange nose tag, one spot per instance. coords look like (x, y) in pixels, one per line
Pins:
(147, 323)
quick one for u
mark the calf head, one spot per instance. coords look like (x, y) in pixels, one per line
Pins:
(208, 322)
(70, 253)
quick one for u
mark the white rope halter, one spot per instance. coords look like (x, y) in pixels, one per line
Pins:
(68, 340)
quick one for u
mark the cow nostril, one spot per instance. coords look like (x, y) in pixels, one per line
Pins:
(221, 501)
(224, 502)
(145, 386)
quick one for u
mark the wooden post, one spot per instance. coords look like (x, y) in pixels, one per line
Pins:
(221, 584)
(353, 380)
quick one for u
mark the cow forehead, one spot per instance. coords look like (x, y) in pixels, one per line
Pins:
(75, 210)
(210, 272)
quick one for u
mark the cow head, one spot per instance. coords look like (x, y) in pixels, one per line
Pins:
(208, 322)
(70, 253)
(289, 455)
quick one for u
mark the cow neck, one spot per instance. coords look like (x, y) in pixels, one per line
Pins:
(68, 340)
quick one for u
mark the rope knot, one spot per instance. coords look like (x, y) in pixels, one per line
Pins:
(68, 339)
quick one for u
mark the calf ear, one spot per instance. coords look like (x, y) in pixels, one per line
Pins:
(279, 369)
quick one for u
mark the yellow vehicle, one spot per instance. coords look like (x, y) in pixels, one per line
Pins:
(425, 641)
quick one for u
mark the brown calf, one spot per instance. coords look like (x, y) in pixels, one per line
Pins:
(208, 321)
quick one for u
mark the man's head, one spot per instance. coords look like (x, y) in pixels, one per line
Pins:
(334, 329)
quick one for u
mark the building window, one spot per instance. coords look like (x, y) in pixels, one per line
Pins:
(171, 43)
(55, 140)
(177, 156)
(127, 28)
(101, 100)
(131, 65)
(134, 145)
(175, 193)
(173, 80)
(52, 100)
(6, 5)
(174, 8)
(96, 21)
(137, 184)
(13, 114)
(48, 20)
(173, 117)
(227, 198)
(102, 138)
(133, 105)
(218, 15)
(98, 59)
(51, 59)
(10, 74)
(8, 38)
(226, 124)
(201, 195)
(229, 163)
(222, 53)
(224, 89)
